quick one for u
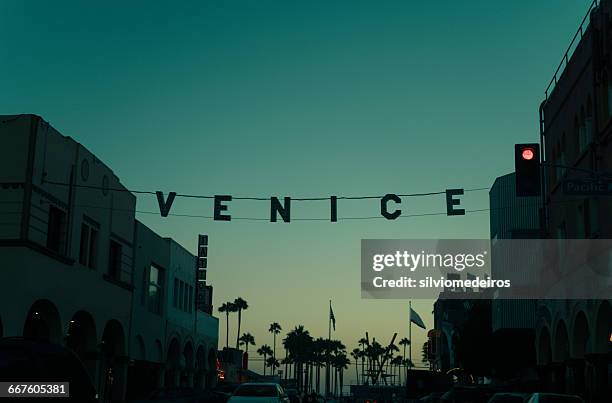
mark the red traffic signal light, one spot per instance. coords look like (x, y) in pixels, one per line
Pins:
(528, 153)
(527, 169)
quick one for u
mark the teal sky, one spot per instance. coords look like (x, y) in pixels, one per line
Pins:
(286, 98)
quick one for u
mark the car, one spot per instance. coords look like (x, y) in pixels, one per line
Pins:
(30, 360)
(293, 395)
(259, 393)
(222, 392)
(466, 394)
(180, 394)
(554, 398)
(433, 397)
(508, 397)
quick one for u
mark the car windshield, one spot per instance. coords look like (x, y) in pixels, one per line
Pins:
(257, 390)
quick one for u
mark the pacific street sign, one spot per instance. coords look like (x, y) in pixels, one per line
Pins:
(588, 187)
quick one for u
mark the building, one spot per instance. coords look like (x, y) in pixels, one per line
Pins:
(78, 269)
(574, 351)
(513, 320)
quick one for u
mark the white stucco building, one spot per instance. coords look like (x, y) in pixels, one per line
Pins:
(78, 269)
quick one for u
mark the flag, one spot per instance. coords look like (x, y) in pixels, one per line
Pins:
(332, 317)
(416, 319)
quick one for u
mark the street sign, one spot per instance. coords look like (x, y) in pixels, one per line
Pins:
(588, 187)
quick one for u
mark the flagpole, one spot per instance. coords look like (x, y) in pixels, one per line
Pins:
(410, 334)
(327, 378)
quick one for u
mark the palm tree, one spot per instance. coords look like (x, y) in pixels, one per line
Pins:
(363, 342)
(404, 342)
(264, 350)
(395, 364)
(247, 339)
(356, 353)
(227, 307)
(318, 359)
(240, 305)
(272, 363)
(375, 352)
(298, 343)
(340, 363)
(275, 329)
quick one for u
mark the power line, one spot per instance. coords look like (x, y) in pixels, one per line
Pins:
(258, 198)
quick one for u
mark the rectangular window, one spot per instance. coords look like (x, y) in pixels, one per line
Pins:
(84, 246)
(176, 291)
(114, 260)
(88, 246)
(190, 300)
(56, 231)
(155, 289)
(93, 248)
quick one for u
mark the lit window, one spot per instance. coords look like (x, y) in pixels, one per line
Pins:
(155, 289)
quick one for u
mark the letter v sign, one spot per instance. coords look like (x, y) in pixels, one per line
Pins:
(164, 206)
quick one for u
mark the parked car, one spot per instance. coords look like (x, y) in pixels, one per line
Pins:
(292, 394)
(180, 394)
(508, 398)
(466, 394)
(27, 360)
(433, 397)
(554, 398)
(259, 393)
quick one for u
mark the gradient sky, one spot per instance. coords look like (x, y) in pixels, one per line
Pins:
(286, 98)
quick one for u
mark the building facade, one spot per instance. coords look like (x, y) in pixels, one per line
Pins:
(513, 320)
(78, 269)
(573, 338)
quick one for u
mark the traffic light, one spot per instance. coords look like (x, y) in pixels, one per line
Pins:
(527, 168)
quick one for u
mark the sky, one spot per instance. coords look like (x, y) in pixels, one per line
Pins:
(287, 98)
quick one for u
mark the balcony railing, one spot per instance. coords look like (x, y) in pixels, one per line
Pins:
(570, 49)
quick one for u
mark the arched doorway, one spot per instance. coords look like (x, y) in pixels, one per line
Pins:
(140, 352)
(544, 359)
(113, 363)
(580, 346)
(158, 352)
(603, 329)
(544, 348)
(560, 356)
(81, 338)
(561, 350)
(211, 378)
(581, 336)
(187, 372)
(173, 364)
(200, 368)
(43, 322)
(158, 358)
(599, 385)
(142, 375)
